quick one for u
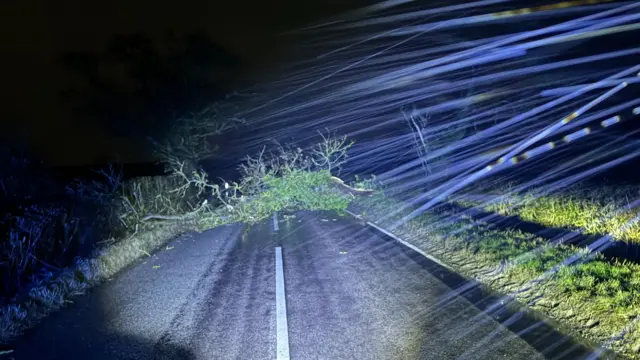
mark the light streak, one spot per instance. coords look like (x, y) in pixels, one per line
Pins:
(547, 105)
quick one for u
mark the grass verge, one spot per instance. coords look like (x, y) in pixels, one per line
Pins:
(601, 210)
(596, 299)
(52, 295)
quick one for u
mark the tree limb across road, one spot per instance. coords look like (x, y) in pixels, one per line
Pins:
(348, 189)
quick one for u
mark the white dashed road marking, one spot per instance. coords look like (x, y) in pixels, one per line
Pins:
(275, 221)
(412, 247)
(282, 332)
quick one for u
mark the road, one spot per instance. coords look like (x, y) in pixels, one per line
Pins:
(350, 294)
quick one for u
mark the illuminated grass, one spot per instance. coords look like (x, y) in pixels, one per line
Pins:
(594, 211)
(596, 300)
(308, 190)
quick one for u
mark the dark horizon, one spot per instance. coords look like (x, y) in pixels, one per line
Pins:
(38, 35)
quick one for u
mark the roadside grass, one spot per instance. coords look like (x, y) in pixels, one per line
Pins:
(594, 299)
(55, 293)
(598, 210)
(112, 212)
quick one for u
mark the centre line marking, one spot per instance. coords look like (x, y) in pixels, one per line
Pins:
(275, 221)
(282, 332)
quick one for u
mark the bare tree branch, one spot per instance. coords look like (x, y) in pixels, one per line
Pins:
(331, 153)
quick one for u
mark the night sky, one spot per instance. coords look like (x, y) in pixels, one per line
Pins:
(36, 33)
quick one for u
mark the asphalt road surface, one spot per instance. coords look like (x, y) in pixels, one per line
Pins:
(350, 294)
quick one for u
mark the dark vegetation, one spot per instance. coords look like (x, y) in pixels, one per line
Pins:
(137, 88)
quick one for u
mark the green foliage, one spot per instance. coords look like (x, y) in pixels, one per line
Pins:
(592, 210)
(504, 245)
(616, 282)
(539, 260)
(296, 190)
(329, 154)
(303, 190)
(287, 179)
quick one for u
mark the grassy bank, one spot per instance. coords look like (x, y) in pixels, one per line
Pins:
(596, 299)
(58, 250)
(593, 210)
